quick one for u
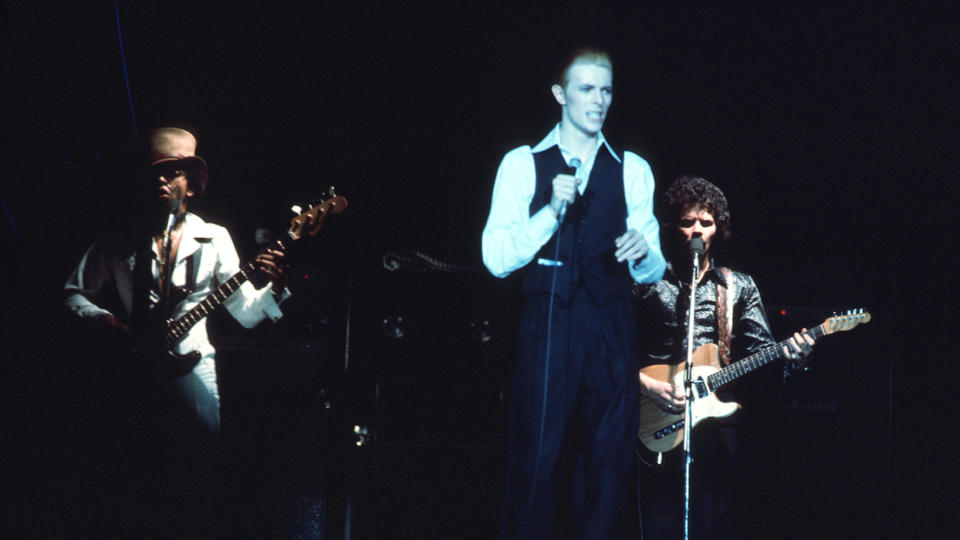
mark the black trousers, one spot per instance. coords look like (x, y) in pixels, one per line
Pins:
(715, 475)
(577, 407)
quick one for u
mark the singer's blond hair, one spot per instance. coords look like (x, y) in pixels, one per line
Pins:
(595, 57)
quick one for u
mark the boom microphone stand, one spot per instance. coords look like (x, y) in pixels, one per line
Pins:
(696, 250)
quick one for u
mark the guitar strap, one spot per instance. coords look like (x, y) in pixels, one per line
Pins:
(724, 315)
(142, 283)
(193, 263)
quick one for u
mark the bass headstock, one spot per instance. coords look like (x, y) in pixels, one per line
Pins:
(848, 321)
(309, 222)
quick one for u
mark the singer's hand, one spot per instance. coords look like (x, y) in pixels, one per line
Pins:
(564, 189)
(631, 246)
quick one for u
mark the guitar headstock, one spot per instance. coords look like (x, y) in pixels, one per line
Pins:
(842, 323)
(310, 221)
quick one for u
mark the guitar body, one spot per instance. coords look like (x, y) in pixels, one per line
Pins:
(150, 353)
(661, 431)
(153, 359)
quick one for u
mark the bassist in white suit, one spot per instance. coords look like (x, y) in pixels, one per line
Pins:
(167, 426)
(202, 255)
(696, 208)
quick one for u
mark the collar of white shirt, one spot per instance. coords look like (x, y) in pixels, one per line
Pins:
(553, 138)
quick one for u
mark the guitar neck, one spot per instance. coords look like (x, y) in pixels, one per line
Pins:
(307, 223)
(740, 368)
(179, 328)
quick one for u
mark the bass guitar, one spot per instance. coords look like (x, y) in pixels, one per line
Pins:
(154, 352)
(661, 431)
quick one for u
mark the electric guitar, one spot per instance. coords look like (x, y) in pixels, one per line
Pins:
(661, 431)
(154, 352)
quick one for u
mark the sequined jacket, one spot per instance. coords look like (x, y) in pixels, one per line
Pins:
(662, 309)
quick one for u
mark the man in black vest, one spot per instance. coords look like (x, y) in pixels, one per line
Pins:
(577, 217)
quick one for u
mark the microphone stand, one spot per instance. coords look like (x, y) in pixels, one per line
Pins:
(165, 257)
(696, 248)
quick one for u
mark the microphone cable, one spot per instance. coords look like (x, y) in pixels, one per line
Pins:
(546, 368)
(123, 62)
(546, 364)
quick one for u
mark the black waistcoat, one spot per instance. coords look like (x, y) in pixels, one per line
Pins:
(587, 235)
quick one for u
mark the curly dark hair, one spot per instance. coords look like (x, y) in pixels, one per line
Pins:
(690, 191)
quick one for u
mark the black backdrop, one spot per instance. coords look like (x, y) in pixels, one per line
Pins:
(829, 127)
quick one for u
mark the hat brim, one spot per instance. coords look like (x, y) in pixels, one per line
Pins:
(194, 161)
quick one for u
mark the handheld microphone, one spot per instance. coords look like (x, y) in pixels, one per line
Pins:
(575, 165)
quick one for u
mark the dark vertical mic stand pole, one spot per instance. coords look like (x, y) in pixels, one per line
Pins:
(696, 248)
(165, 257)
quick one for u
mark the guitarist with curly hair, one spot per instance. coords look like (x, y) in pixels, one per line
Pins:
(728, 313)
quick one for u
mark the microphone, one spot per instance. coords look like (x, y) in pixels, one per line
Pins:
(173, 205)
(696, 246)
(575, 165)
(696, 250)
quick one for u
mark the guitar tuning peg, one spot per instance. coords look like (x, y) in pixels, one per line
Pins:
(296, 209)
(332, 191)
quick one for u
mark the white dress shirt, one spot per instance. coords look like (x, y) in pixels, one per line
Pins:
(512, 237)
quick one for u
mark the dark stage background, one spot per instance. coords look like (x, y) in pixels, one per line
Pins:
(830, 127)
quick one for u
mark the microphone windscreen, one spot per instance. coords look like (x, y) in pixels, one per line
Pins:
(696, 246)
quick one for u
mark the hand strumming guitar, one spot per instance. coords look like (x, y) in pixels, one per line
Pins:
(670, 397)
(665, 394)
(111, 327)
